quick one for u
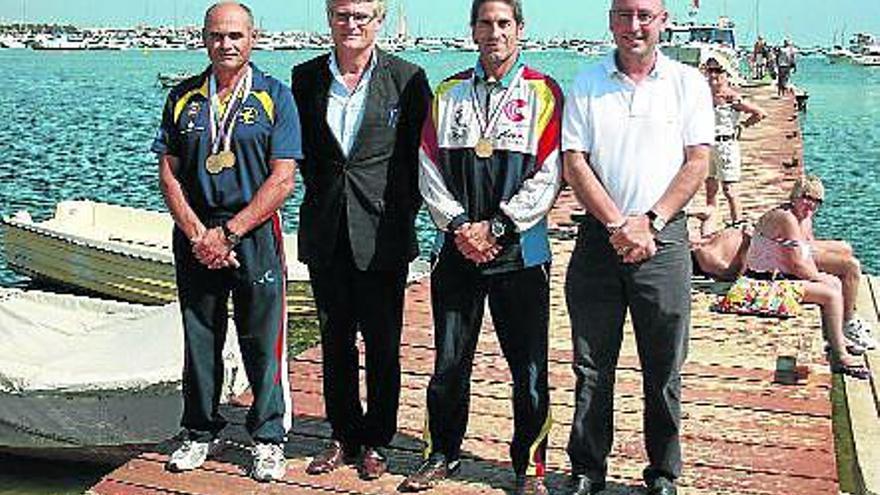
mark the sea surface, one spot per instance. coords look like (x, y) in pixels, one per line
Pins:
(78, 125)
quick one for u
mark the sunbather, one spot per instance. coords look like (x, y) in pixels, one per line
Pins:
(781, 251)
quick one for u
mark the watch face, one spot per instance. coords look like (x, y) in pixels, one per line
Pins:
(658, 224)
(497, 229)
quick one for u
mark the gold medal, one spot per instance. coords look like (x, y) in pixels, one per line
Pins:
(219, 162)
(484, 148)
(226, 159)
(212, 165)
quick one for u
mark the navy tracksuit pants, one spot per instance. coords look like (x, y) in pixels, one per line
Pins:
(258, 289)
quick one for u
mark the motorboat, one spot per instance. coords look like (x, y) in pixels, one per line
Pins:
(695, 43)
(171, 79)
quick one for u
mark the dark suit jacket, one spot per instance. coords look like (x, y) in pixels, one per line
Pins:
(378, 183)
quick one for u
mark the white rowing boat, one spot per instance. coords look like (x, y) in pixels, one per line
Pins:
(116, 251)
(91, 379)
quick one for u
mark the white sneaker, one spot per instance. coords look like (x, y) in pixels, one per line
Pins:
(859, 332)
(190, 455)
(269, 462)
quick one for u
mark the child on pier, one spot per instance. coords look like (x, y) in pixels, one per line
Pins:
(725, 165)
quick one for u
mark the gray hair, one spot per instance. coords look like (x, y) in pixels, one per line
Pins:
(516, 5)
(662, 4)
(243, 7)
(381, 8)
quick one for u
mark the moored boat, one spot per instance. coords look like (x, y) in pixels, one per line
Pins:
(91, 379)
(116, 251)
(169, 80)
(124, 253)
(694, 43)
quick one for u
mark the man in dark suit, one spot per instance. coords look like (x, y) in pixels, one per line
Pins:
(362, 111)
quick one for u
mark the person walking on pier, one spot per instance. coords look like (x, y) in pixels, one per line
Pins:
(490, 172)
(227, 147)
(785, 65)
(759, 58)
(636, 136)
(362, 111)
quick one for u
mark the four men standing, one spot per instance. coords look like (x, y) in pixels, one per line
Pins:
(635, 132)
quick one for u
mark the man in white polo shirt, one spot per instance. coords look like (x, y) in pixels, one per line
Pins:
(636, 134)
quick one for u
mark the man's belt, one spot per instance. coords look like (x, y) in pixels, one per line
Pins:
(724, 139)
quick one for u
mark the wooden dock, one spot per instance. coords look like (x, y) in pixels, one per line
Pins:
(742, 433)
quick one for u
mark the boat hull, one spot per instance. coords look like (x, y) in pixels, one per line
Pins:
(139, 270)
(101, 426)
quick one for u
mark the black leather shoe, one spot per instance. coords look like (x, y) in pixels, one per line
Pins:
(580, 484)
(431, 472)
(332, 457)
(662, 486)
(373, 464)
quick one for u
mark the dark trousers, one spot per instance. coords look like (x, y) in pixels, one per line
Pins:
(519, 302)
(258, 291)
(351, 300)
(599, 289)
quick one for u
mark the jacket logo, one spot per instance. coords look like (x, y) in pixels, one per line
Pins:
(513, 110)
(248, 115)
(459, 131)
(194, 108)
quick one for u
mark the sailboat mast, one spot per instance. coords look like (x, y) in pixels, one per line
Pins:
(757, 17)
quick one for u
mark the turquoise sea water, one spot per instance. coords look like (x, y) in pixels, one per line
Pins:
(79, 125)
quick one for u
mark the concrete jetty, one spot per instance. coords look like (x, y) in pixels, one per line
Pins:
(742, 433)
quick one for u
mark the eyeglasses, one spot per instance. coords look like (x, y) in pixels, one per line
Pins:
(360, 19)
(812, 199)
(626, 16)
(715, 70)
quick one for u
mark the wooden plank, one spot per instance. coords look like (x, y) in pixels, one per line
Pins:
(116, 487)
(867, 310)
(873, 292)
(865, 432)
(866, 303)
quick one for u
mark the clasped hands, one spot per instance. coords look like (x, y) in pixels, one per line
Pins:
(476, 242)
(211, 249)
(633, 241)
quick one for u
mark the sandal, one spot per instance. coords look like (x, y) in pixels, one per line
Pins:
(857, 371)
(739, 224)
(851, 348)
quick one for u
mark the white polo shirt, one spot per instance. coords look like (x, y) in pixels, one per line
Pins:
(636, 134)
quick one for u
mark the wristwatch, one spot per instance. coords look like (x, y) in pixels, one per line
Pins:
(657, 222)
(497, 228)
(231, 237)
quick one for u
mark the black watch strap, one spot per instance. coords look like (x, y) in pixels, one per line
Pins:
(231, 237)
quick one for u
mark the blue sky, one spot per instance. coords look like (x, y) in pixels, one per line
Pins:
(808, 22)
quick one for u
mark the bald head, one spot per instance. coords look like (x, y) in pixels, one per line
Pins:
(229, 37)
(226, 6)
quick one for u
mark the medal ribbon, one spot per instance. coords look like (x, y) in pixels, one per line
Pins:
(223, 123)
(494, 113)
